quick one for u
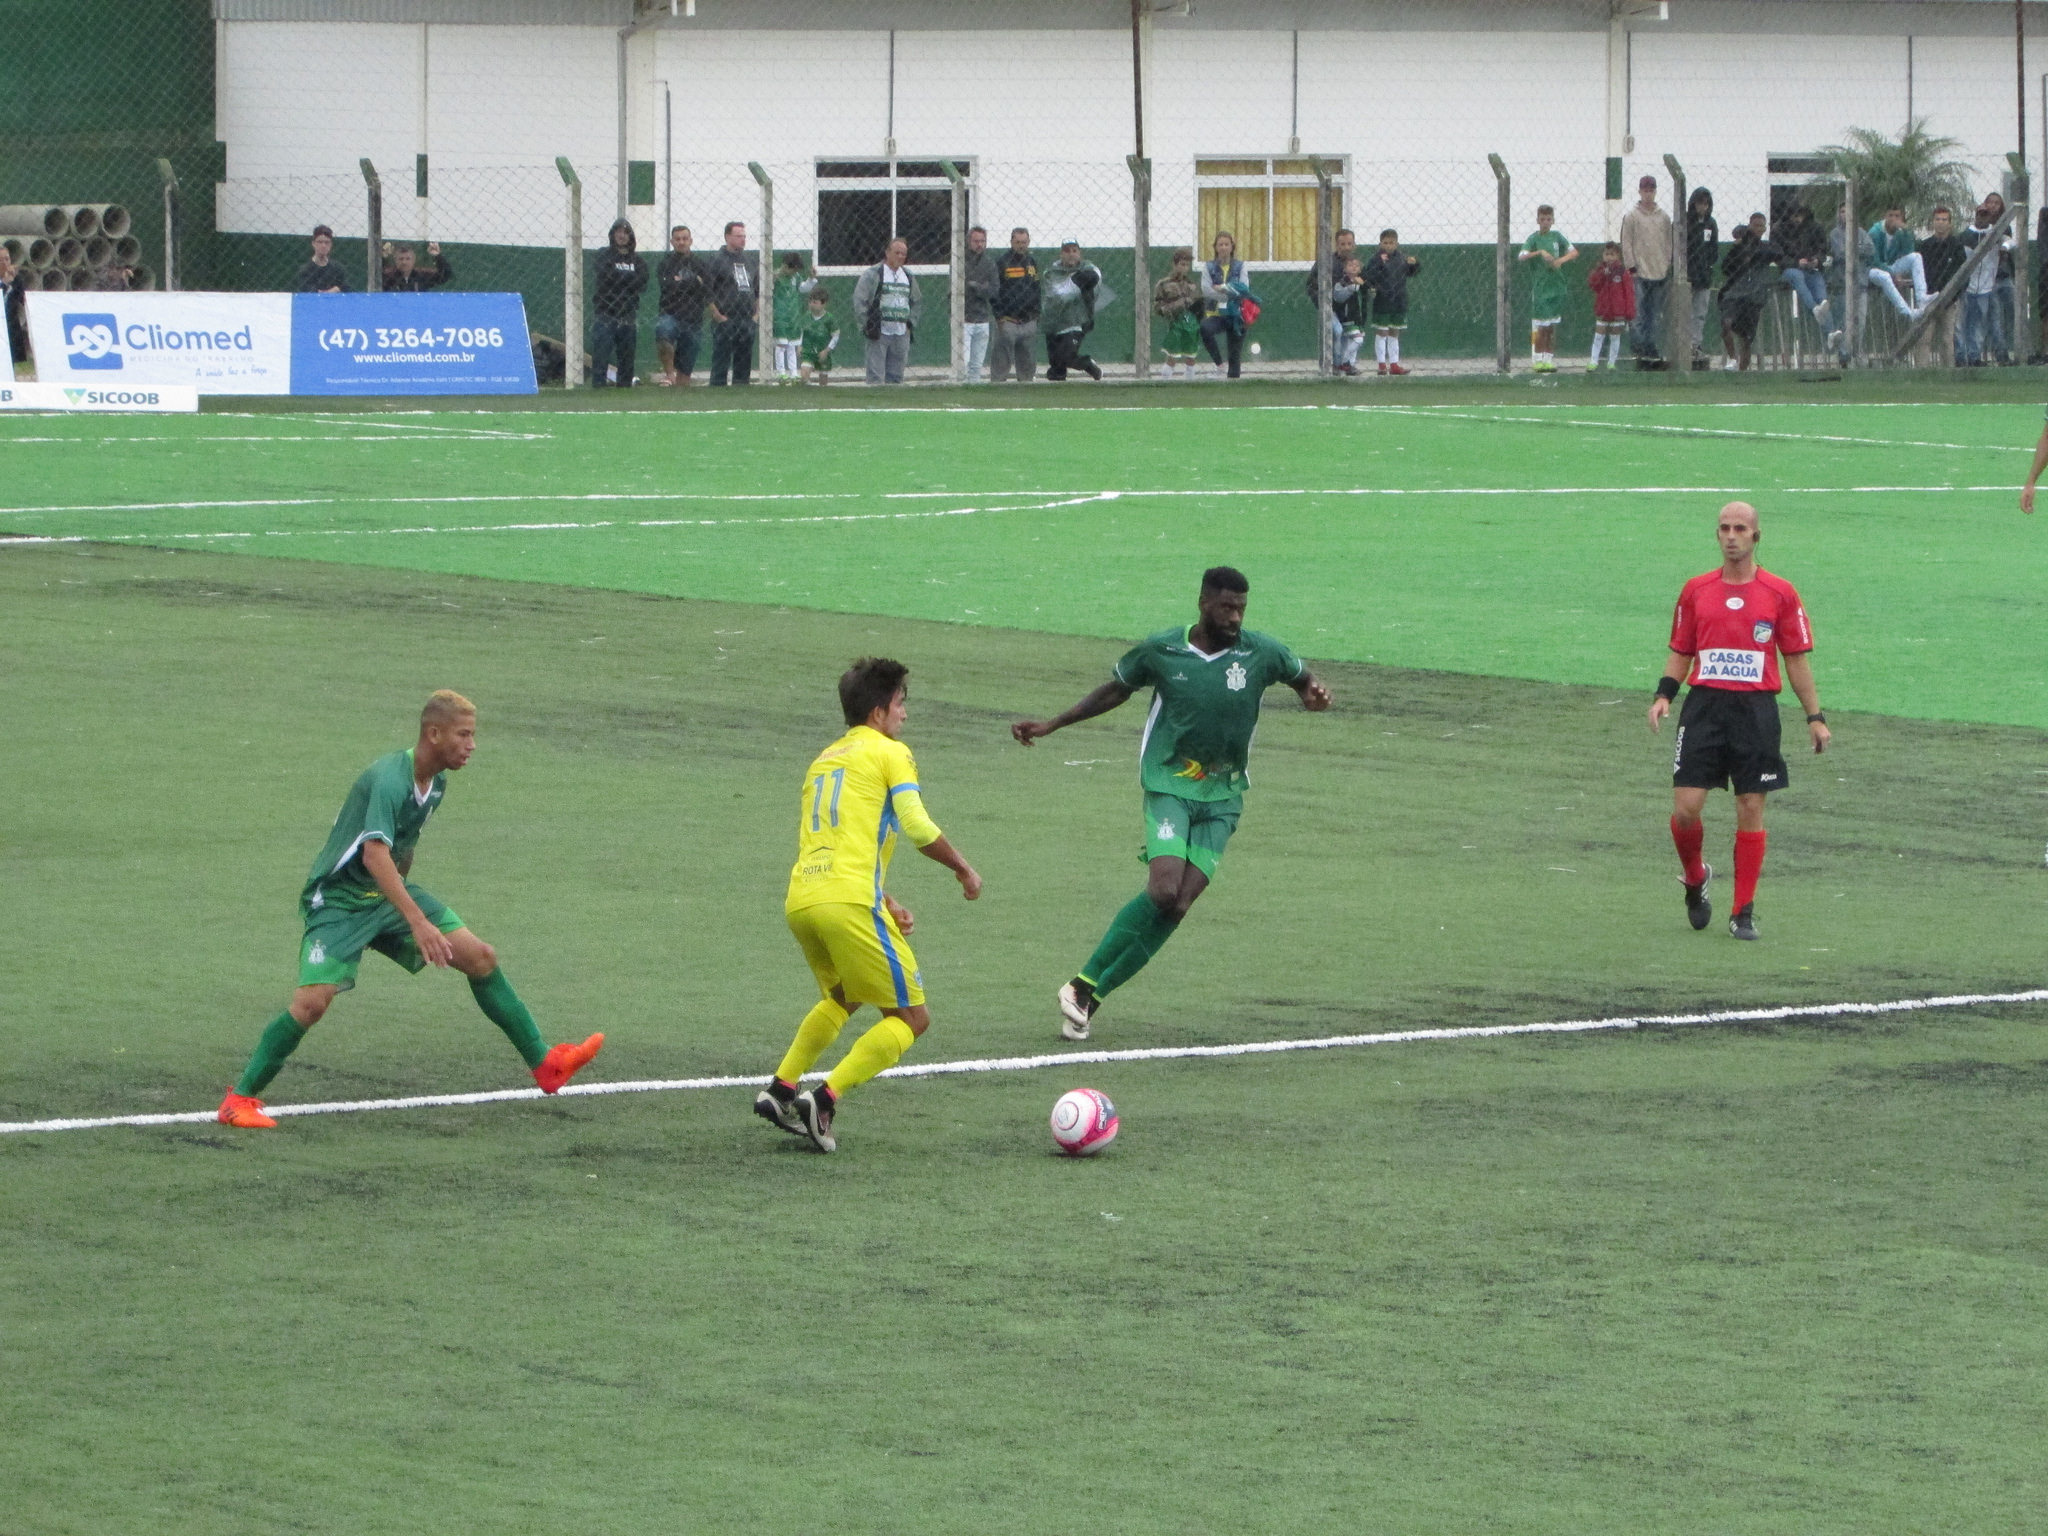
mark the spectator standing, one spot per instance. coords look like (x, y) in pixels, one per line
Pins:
(786, 303)
(1614, 304)
(1344, 272)
(733, 303)
(2004, 312)
(1224, 291)
(1841, 261)
(1748, 275)
(1804, 251)
(820, 336)
(681, 284)
(323, 274)
(887, 302)
(1898, 255)
(402, 273)
(1646, 250)
(1980, 316)
(1702, 253)
(1177, 299)
(981, 278)
(2041, 285)
(615, 308)
(1386, 275)
(14, 309)
(1016, 311)
(1550, 251)
(1067, 314)
(1942, 255)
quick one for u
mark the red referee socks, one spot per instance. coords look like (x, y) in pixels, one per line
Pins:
(1749, 863)
(1687, 840)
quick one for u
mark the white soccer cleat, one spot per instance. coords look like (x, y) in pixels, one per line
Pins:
(1075, 1012)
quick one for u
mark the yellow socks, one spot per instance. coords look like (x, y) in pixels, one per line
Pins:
(876, 1051)
(814, 1037)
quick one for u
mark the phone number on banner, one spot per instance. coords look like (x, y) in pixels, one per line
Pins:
(352, 340)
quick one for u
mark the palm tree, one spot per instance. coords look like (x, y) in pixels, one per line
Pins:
(1910, 172)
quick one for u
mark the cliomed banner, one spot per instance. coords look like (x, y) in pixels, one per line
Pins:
(285, 343)
(82, 397)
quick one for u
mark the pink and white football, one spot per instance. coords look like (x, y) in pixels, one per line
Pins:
(1083, 1122)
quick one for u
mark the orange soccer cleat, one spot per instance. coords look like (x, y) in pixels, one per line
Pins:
(564, 1061)
(240, 1109)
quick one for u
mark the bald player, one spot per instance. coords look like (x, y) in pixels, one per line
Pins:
(1730, 628)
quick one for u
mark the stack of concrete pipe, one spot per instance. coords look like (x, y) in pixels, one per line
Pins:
(72, 246)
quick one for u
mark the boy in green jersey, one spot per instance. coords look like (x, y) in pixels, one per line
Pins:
(1207, 680)
(787, 310)
(358, 898)
(1550, 251)
(818, 338)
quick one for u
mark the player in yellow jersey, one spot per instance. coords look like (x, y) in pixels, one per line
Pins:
(858, 794)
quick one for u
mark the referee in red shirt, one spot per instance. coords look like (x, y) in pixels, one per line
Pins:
(1729, 630)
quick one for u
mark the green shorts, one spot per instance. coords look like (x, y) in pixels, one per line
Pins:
(1195, 830)
(822, 361)
(336, 938)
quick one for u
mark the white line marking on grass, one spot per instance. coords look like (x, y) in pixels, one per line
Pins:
(1677, 431)
(1084, 1058)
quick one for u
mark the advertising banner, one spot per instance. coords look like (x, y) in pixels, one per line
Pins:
(216, 343)
(411, 344)
(80, 397)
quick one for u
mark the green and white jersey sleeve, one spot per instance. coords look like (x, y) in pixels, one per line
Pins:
(384, 805)
(1205, 709)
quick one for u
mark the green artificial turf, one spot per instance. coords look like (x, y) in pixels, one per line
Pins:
(1779, 1278)
(1544, 539)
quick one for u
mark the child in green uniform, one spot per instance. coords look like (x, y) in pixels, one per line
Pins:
(1550, 251)
(818, 338)
(1177, 299)
(790, 288)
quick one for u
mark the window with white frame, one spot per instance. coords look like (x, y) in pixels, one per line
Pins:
(864, 204)
(1267, 203)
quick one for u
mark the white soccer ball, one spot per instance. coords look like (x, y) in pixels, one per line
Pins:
(1083, 1122)
(1255, 349)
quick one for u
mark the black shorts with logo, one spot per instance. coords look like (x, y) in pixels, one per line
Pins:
(1729, 736)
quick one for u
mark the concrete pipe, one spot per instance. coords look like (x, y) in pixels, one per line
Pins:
(99, 250)
(81, 279)
(127, 249)
(16, 248)
(141, 278)
(31, 278)
(41, 252)
(85, 221)
(112, 219)
(34, 219)
(70, 253)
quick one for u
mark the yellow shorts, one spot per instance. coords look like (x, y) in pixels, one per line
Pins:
(860, 951)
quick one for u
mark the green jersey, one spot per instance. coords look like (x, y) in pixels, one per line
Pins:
(384, 806)
(819, 335)
(1548, 289)
(788, 307)
(1205, 709)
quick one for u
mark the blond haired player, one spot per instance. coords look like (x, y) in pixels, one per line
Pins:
(856, 796)
(358, 897)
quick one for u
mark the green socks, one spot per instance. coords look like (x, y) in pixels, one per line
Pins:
(502, 1007)
(1136, 934)
(281, 1036)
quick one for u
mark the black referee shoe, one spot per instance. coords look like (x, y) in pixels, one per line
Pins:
(1698, 910)
(1743, 924)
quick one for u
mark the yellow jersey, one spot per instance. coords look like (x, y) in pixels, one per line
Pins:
(857, 795)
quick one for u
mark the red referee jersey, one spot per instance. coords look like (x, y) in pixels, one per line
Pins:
(1734, 633)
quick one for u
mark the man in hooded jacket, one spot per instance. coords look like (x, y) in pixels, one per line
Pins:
(615, 306)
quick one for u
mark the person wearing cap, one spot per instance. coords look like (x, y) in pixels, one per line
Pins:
(1067, 313)
(1646, 250)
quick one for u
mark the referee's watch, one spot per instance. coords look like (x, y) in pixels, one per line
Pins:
(1818, 717)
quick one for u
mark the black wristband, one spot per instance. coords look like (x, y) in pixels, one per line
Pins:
(1667, 688)
(1818, 717)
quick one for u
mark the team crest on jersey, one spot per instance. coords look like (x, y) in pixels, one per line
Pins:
(1234, 677)
(1760, 631)
(317, 955)
(1165, 830)
(1734, 602)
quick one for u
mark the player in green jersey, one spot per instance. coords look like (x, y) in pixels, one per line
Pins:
(1207, 680)
(358, 898)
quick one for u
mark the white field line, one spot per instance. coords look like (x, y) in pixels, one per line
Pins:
(1086, 1058)
(1678, 431)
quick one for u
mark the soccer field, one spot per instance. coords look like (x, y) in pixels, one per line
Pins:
(1776, 1276)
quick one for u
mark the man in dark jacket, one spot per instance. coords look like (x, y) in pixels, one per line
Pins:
(1803, 251)
(1702, 251)
(981, 277)
(615, 302)
(1016, 310)
(1942, 254)
(1748, 276)
(681, 284)
(402, 274)
(1347, 303)
(14, 305)
(735, 296)
(322, 274)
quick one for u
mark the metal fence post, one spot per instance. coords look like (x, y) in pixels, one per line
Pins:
(1141, 265)
(373, 241)
(572, 279)
(1503, 242)
(764, 301)
(174, 227)
(1678, 315)
(956, 297)
(1326, 233)
(1853, 276)
(2018, 195)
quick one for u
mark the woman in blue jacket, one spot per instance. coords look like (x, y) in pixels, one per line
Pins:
(1224, 290)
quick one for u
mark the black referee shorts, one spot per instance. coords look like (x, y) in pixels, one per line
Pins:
(1728, 737)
